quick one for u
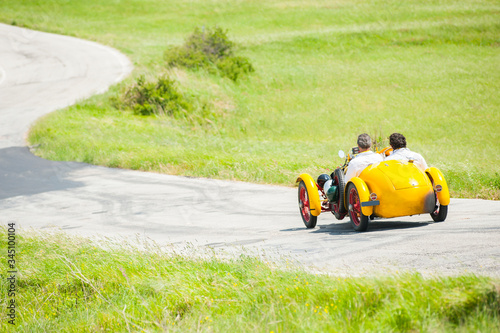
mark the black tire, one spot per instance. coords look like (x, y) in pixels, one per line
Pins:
(440, 213)
(358, 220)
(338, 208)
(305, 208)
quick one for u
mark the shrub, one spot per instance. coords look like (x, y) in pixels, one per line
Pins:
(162, 97)
(209, 49)
(233, 67)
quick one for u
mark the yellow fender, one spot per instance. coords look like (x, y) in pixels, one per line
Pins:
(312, 192)
(364, 195)
(437, 178)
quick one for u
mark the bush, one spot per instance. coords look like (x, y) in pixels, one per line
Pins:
(209, 49)
(160, 98)
(163, 98)
(233, 67)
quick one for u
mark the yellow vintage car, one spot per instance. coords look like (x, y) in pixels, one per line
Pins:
(383, 190)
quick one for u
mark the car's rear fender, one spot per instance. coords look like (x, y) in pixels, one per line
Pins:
(312, 192)
(440, 185)
(364, 196)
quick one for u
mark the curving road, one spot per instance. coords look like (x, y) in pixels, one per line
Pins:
(42, 72)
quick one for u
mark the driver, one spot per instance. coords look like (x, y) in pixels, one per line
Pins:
(401, 153)
(360, 161)
(363, 159)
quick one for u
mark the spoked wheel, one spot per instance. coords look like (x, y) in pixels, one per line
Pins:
(440, 212)
(338, 208)
(304, 207)
(358, 220)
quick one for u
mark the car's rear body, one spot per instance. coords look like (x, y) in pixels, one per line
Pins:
(400, 188)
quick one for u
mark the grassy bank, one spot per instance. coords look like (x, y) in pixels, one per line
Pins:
(68, 284)
(325, 72)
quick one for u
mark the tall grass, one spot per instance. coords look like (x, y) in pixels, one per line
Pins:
(325, 72)
(68, 284)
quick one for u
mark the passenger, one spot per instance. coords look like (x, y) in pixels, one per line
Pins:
(401, 153)
(365, 158)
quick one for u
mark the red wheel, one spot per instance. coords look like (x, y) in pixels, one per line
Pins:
(304, 207)
(358, 220)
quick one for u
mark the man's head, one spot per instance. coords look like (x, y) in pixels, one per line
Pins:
(397, 141)
(364, 142)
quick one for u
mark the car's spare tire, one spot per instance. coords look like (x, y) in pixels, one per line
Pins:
(338, 207)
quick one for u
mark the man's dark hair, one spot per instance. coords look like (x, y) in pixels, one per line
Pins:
(364, 141)
(397, 141)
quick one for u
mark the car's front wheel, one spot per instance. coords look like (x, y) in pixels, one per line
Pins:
(305, 208)
(358, 220)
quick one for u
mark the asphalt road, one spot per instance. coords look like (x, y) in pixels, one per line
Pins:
(41, 72)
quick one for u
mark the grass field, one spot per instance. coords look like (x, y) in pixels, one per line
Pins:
(69, 284)
(326, 71)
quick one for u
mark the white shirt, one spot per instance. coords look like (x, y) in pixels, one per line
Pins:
(405, 154)
(360, 162)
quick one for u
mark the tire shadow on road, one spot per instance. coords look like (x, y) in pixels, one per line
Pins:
(374, 226)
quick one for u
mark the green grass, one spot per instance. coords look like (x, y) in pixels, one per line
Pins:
(326, 71)
(68, 284)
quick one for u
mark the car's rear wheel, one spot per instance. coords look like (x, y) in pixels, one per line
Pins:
(305, 208)
(440, 212)
(358, 220)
